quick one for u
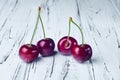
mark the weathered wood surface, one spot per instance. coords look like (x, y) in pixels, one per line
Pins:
(99, 19)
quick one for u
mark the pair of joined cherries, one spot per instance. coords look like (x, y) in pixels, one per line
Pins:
(67, 45)
(30, 52)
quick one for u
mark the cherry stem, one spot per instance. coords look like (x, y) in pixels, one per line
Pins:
(68, 33)
(35, 27)
(71, 20)
(42, 24)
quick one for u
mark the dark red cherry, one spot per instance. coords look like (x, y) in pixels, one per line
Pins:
(63, 48)
(28, 53)
(82, 53)
(46, 47)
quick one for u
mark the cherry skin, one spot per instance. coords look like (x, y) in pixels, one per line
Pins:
(82, 53)
(46, 47)
(28, 53)
(63, 48)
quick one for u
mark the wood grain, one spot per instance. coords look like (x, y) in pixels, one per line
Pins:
(99, 19)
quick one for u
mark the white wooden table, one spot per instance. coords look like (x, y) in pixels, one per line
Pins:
(99, 19)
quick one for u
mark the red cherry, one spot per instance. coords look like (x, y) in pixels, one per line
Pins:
(82, 53)
(63, 48)
(46, 47)
(28, 53)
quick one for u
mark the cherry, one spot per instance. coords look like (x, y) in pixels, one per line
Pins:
(82, 52)
(65, 43)
(66, 49)
(46, 46)
(30, 52)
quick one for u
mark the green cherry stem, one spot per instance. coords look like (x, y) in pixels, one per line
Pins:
(42, 24)
(71, 20)
(68, 32)
(35, 27)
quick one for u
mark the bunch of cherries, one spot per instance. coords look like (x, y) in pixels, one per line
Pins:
(67, 45)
